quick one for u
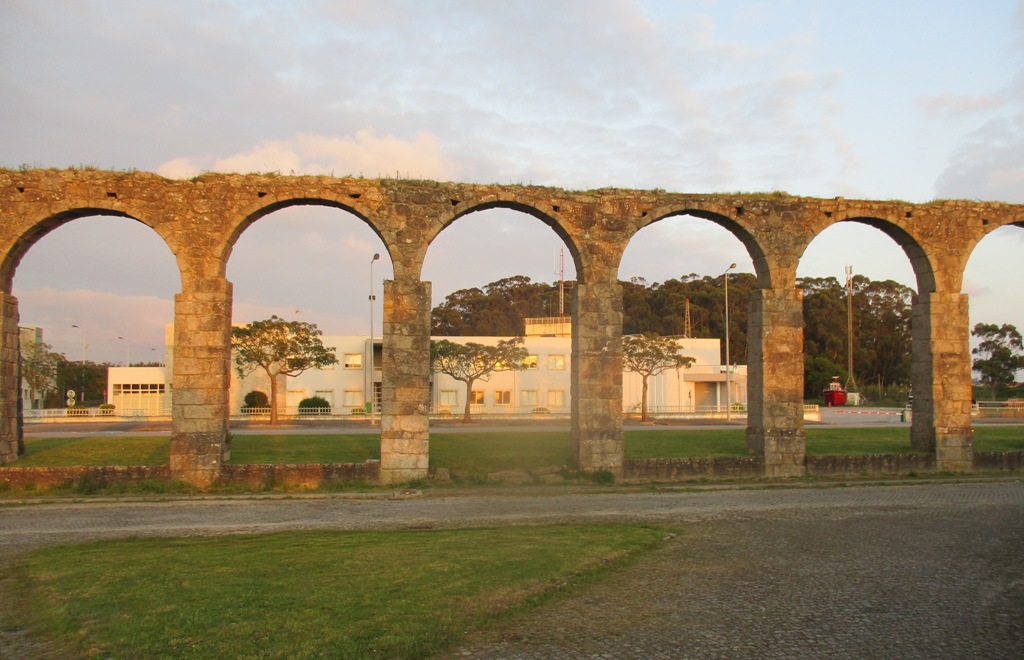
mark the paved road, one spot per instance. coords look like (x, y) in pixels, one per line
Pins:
(928, 570)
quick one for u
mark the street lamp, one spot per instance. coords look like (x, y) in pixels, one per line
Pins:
(127, 352)
(83, 360)
(376, 256)
(83, 342)
(728, 368)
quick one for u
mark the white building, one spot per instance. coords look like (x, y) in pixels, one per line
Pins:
(543, 387)
(29, 336)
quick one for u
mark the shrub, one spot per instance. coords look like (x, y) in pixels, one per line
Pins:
(255, 399)
(107, 409)
(313, 405)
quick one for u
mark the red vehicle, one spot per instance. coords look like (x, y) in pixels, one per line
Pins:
(834, 395)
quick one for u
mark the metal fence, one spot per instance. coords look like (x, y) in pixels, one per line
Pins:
(93, 414)
(739, 411)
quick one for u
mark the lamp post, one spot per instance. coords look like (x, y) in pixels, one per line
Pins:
(83, 360)
(376, 256)
(728, 368)
(127, 352)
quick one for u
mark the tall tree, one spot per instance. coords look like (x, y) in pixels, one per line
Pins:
(39, 369)
(649, 355)
(999, 354)
(496, 310)
(280, 348)
(471, 361)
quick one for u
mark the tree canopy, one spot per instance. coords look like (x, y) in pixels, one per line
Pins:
(496, 310)
(471, 361)
(649, 355)
(279, 347)
(999, 354)
(881, 318)
(39, 368)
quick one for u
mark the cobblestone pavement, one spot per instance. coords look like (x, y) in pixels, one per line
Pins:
(927, 570)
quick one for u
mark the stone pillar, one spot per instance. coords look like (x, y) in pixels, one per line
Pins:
(941, 376)
(202, 377)
(10, 381)
(597, 377)
(405, 387)
(775, 381)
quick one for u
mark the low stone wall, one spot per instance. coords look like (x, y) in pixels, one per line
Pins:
(870, 464)
(634, 470)
(303, 476)
(38, 478)
(638, 470)
(999, 461)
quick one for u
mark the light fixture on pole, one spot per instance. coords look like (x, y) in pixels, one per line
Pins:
(372, 392)
(127, 352)
(83, 342)
(728, 368)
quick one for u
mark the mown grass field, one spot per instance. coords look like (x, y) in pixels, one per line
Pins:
(333, 594)
(487, 451)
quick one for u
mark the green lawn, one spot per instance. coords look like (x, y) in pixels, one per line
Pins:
(478, 453)
(274, 449)
(401, 594)
(101, 450)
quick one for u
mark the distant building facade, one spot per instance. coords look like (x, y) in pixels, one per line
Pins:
(542, 388)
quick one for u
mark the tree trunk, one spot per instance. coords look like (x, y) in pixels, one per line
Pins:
(643, 401)
(469, 393)
(273, 398)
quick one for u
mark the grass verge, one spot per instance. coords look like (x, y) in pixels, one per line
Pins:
(405, 594)
(480, 453)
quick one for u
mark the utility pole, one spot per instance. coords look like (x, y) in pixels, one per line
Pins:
(851, 381)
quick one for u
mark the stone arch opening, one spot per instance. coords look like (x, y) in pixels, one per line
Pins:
(672, 271)
(279, 257)
(491, 268)
(98, 287)
(503, 215)
(886, 279)
(991, 278)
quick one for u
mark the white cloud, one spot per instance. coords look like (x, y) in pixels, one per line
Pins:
(103, 316)
(363, 154)
(988, 163)
(956, 106)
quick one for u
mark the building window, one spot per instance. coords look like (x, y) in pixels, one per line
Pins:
(502, 397)
(476, 397)
(556, 362)
(556, 398)
(528, 397)
(326, 395)
(353, 361)
(530, 362)
(448, 398)
(137, 396)
(354, 399)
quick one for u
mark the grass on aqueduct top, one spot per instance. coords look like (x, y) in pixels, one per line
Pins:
(483, 452)
(399, 594)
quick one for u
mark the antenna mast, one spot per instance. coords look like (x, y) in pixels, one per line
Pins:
(687, 330)
(561, 290)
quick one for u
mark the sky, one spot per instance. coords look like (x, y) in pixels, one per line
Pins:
(911, 100)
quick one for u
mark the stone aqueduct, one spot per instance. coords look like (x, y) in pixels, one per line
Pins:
(201, 219)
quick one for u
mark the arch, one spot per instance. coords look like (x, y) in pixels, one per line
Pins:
(912, 247)
(512, 203)
(992, 275)
(236, 228)
(762, 266)
(40, 228)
